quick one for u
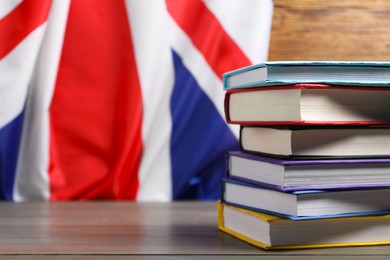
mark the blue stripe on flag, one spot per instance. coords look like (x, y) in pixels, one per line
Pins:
(200, 139)
(10, 136)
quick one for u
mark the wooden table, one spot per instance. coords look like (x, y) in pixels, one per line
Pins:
(115, 230)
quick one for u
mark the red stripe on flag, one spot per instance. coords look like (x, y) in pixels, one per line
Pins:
(20, 22)
(207, 34)
(96, 112)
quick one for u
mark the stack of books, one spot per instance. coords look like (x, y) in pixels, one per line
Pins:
(314, 165)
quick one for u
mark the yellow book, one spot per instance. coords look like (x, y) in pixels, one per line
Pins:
(271, 232)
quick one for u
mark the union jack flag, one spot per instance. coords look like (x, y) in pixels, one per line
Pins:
(120, 99)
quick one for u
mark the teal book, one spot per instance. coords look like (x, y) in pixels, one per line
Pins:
(293, 72)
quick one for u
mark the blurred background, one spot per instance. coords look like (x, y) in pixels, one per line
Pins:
(330, 30)
(123, 100)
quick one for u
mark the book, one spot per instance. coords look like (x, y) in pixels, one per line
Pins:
(272, 232)
(310, 104)
(313, 141)
(306, 204)
(293, 174)
(292, 72)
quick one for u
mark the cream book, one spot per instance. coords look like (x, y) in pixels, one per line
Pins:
(317, 141)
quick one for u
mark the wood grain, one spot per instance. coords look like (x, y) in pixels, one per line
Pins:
(330, 30)
(107, 230)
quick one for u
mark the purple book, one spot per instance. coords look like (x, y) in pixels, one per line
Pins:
(309, 174)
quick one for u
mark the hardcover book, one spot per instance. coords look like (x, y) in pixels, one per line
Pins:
(271, 232)
(306, 204)
(292, 72)
(288, 174)
(313, 141)
(308, 104)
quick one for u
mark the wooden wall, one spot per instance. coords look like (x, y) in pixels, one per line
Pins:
(330, 30)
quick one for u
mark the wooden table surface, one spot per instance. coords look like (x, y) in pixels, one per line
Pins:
(115, 230)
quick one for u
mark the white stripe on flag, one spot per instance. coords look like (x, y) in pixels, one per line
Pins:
(155, 68)
(248, 23)
(7, 6)
(31, 182)
(16, 70)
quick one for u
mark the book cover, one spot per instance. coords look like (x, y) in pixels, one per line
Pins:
(305, 204)
(292, 72)
(272, 232)
(303, 174)
(308, 104)
(316, 141)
